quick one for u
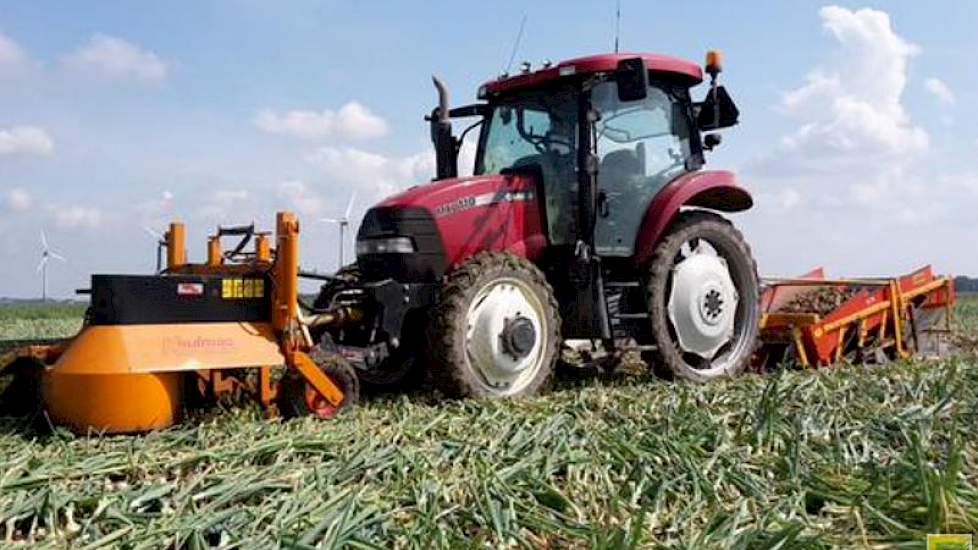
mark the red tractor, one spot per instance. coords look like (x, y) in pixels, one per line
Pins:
(589, 217)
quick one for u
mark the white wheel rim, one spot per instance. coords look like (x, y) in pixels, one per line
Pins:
(499, 371)
(703, 303)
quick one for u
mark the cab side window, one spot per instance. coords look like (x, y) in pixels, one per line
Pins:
(642, 146)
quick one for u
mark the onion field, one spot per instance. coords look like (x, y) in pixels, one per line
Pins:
(843, 457)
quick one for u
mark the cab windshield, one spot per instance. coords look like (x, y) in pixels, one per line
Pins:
(538, 130)
(535, 128)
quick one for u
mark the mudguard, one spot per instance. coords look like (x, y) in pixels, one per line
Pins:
(711, 189)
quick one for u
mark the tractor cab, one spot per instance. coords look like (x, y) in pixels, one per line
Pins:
(642, 131)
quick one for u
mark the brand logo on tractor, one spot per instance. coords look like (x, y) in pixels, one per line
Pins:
(455, 206)
(486, 199)
(178, 345)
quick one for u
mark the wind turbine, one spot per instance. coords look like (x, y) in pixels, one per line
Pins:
(342, 223)
(42, 268)
(160, 243)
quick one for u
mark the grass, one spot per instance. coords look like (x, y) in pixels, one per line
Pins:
(19, 323)
(848, 457)
(967, 312)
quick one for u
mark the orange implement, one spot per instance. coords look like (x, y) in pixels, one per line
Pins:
(880, 319)
(150, 341)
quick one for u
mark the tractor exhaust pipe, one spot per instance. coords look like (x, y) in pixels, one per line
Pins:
(442, 99)
(446, 146)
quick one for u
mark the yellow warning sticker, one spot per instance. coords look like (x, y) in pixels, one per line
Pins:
(236, 289)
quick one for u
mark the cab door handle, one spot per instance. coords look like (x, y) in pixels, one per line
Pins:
(603, 209)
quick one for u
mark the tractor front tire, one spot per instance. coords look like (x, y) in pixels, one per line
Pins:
(495, 332)
(704, 314)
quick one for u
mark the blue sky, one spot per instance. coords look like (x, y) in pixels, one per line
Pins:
(856, 136)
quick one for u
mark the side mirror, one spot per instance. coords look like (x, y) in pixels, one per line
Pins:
(717, 110)
(711, 141)
(632, 77)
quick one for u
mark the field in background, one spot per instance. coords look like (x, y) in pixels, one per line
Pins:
(854, 456)
(38, 322)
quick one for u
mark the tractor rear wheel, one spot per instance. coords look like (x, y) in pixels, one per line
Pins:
(495, 331)
(703, 300)
(298, 398)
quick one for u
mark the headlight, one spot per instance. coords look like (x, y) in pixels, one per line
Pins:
(386, 245)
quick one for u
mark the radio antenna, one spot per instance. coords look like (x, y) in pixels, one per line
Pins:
(516, 45)
(617, 23)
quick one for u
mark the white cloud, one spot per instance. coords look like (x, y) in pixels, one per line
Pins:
(352, 121)
(19, 200)
(25, 140)
(300, 197)
(787, 198)
(852, 125)
(940, 91)
(850, 107)
(230, 195)
(224, 205)
(116, 58)
(10, 52)
(76, 216)
(156, 212)
(374, 174)
(853, 186)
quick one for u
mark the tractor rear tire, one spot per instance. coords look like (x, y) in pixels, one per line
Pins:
(495, 332)
(297, 398)
(669, 360)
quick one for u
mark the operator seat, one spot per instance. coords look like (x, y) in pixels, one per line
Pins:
(619, 168)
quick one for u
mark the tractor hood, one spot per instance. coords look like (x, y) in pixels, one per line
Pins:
(448, 195)
(417, 235)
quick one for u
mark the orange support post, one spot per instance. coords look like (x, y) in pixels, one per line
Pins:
(286, 297)
(263, 250)
(285, 309)
(176, 246)
(214, 251)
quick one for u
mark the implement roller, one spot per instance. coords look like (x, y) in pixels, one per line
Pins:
(151, 345)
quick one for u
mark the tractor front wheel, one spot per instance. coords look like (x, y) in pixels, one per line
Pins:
(703, 300)
(495, 332)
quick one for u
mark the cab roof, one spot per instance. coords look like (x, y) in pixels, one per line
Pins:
(685, 71)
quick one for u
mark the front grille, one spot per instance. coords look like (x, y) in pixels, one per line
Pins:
(424, 266)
